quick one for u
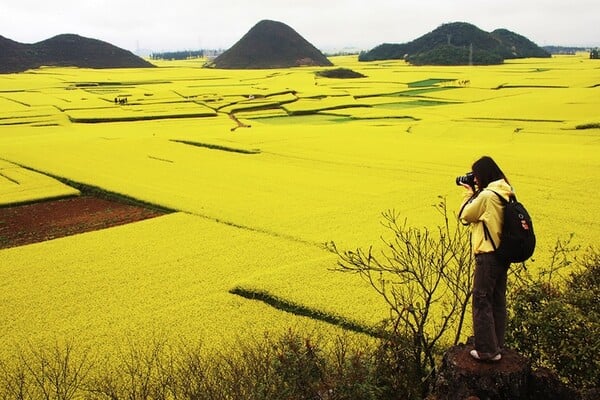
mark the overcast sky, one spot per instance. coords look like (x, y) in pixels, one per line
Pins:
(327, 24)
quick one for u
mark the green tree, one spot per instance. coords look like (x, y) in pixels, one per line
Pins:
(555, 317)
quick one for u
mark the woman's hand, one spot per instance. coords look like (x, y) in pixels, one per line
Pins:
(469, 188)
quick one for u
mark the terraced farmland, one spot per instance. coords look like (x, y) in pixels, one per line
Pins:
(259, 169)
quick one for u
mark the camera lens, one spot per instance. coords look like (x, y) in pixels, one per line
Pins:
(467, 179)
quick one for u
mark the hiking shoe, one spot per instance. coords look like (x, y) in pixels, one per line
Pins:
(475, 355)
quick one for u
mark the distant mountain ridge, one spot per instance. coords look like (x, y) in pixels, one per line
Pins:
(459, 43)
(270, 44)
(66, 50)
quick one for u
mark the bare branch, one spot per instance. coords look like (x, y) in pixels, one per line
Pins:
(424, 275)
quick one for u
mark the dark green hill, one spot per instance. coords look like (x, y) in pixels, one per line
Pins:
(458, 43)
(66, 50)
(519, 46)
(270, 44)
(13, 56)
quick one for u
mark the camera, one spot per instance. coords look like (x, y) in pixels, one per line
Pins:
(467, 179)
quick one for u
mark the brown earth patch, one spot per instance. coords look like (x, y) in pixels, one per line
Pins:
(41, 221)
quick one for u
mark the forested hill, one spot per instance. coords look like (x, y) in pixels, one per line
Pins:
(458, 43)
(67, 50)
(270, 44)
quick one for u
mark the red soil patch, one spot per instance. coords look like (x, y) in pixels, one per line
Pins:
(37, 222)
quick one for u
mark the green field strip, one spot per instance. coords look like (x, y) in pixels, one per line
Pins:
(96, 120)
(44, 124)
(252, 106)
(591, 125)
(26, 117)
(281, 93)
(109, 104)
(32, 122)
(366, 114)
(158, 102)
(414, 103)
(429, 82)
(118, 84)
(217, 147)
(382, 100)
(303, 119)
(222, 101)
(306, 106)
(385, 117)
(130, 113)
(407, 93)
(516, 86)
(303, 311)
(103, 91)
(262, 113)
(514, 119)
(322, 109)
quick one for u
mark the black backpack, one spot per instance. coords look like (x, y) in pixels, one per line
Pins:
(517, 240)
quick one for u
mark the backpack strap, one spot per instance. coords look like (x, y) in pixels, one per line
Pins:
(502, 199)
(487, 235)
(486, 231)
(463, 208)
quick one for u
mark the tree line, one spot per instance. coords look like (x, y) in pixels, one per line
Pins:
(177, 55)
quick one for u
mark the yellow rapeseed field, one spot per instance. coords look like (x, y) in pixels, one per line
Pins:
(20, 185)
(263, 167)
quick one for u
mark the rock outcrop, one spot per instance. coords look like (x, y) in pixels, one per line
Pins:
(462, 377)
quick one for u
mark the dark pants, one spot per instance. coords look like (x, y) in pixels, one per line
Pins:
(489, 304)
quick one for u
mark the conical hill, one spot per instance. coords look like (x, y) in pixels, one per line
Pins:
(270, 44)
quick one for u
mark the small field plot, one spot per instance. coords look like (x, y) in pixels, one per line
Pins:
(51, 219)
(32, 116)
(162, 278)
(9, 106)
(30, 98)
(140, 112)
(20, 185)
(310, 105)
(384, 111)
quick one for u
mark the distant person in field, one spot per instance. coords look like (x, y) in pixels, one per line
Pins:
(483, 210)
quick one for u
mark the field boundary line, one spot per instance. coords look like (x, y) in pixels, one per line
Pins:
(320, 245)
(303, 311)
(98, 191)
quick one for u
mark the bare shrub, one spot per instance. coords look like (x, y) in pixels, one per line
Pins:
(55, 373)
(140, 371)
(425, 276)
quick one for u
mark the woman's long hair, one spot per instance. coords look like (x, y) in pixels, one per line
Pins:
(486, 170)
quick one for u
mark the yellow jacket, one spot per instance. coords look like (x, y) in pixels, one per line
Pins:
(485, 207)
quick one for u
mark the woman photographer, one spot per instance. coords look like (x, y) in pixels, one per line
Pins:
(483, 210)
